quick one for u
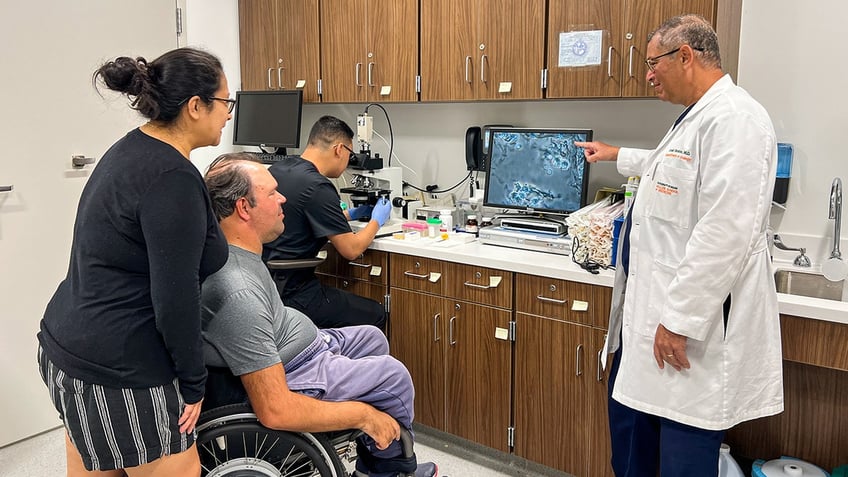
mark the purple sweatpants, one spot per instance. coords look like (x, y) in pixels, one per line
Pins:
(353, 364)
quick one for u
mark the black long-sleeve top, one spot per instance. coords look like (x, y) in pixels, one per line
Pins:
(127, 315)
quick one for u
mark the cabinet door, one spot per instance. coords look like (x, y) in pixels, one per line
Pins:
(640, 19)
(362, 288)
(371, 266)
(599, 435)
(510, 49)
(343, 66)
(552, 398)
(602, 80)
(297, 46)
(478, 372)
(417, 340)
(392, 53)
(257, 41)
(448, 49)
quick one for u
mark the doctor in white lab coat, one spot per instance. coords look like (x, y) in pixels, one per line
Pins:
(694, 321)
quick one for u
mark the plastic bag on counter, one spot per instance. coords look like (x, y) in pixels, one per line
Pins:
(601, 232)
(579, 227)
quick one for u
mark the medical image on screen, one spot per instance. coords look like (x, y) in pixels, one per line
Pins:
(537, 170)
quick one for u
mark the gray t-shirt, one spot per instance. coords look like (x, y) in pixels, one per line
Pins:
(245, 325)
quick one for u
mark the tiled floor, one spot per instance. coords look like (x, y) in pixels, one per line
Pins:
(44, 456)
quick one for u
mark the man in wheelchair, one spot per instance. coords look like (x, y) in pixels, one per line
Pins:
(295, 376)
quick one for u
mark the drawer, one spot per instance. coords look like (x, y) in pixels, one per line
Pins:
(481, 285)
(418, 274)
(371, 266)
(562, 299)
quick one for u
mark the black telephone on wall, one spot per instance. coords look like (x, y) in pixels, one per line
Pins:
(477, 146)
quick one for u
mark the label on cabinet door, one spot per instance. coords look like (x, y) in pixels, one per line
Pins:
(501, 334)
(505, 87)
(322, 254)
(580, 48)
(300, 84)
(376, 271)
(385, 90)
(434, 277)
(494, 282)
(577, 305)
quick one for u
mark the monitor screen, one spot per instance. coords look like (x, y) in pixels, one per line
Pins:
(537, 170)
(268, 118)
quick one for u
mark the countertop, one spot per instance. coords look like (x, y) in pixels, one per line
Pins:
(560, 266)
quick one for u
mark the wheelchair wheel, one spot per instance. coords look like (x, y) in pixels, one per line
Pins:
(232, 442)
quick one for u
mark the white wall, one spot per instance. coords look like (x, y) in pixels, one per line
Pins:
(787, 62)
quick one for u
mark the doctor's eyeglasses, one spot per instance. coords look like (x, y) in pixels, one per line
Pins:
(651, 63)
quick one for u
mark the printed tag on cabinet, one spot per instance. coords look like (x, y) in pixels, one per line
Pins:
(376, 270)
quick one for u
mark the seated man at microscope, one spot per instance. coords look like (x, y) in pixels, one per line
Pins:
(314, 216)
(282, 359)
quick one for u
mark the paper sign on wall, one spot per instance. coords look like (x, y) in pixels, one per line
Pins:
(580, 48)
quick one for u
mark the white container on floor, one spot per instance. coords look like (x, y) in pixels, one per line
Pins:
(727, 466)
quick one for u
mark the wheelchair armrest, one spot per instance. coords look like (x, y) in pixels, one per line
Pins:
(294, 263)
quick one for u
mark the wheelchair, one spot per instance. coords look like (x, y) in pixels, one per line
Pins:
(232, 442)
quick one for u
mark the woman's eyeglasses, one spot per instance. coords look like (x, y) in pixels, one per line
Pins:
(231, 103)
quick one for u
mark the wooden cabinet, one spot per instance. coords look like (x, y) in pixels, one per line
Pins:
(457, 352)
(626, 25)
(482, 49)
(560, 388)
(278, 42)
(367, 275)
(369, 50)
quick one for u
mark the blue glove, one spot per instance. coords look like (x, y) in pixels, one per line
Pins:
(360, 212)
(382, 211)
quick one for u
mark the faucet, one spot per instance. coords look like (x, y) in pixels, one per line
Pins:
(835, 212)
(801, 260)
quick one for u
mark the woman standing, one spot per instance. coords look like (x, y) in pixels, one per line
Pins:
(120, 346)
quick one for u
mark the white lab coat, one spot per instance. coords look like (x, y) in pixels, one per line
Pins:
(698, 235)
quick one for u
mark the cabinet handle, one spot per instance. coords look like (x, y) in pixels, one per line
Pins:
(630, 61)
(579, 370)
(280, 77)
(467, 64)
(450, 335)
(358, 69)
(269, 78)
(474, 285)
(609, 62)
(7, 188)
(370, 71)
(483, 68)
(552, 300)
(600, 371)
(436, 336)
(360, 265)
(415, 275)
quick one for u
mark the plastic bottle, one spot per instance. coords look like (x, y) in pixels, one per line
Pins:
(446, 216)
(433, 225)
(727, 466)
(487, 222)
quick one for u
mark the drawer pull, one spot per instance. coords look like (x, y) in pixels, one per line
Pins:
(450, 331)
(415, 275)
(579, 370)
(474, 285)
(360, 265)
(600, 366)
(552, 300)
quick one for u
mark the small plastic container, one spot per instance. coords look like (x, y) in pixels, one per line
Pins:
(433, 226)
(446, 216)
(727, 466)
(419, 227)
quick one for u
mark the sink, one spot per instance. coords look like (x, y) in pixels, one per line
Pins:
(794, 282)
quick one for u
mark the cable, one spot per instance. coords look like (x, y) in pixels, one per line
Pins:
(391, 133)
(396, 156)
(440, 191)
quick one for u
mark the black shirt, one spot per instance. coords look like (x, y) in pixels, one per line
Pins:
(127, 315)
(312, 213)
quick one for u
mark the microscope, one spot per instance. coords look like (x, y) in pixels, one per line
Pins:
(371, 180)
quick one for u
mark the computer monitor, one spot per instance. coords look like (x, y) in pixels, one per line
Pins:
(537, 170)
(268, 118)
